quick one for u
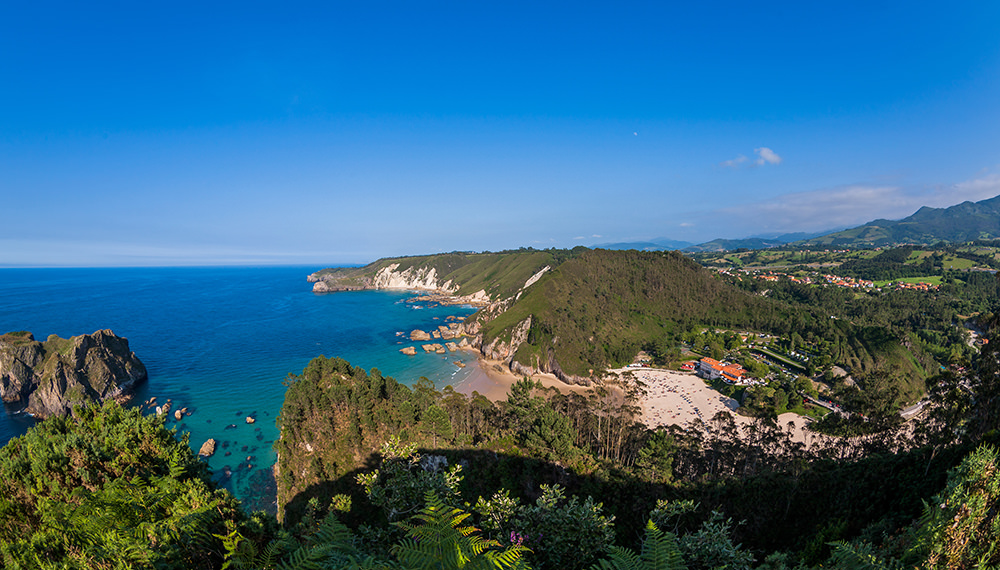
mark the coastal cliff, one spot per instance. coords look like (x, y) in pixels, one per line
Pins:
(51, 377)
(494, 282)
(387, 277)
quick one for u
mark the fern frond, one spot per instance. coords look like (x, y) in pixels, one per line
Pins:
(442, 542)
(859, 557)
(659, 552)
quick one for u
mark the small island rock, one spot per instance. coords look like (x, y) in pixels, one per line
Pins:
(409, 350)
(419, 335)
(207, 448)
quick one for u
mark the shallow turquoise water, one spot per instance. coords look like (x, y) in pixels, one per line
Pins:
(221, 340)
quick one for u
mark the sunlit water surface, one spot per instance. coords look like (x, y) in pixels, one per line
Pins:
(221, 341)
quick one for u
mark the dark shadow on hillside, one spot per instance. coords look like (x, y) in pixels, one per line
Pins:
(486, 471)
(783, 511)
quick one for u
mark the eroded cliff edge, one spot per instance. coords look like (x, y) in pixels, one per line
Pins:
(51, 377)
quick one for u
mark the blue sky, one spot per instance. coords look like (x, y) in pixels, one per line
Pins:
(252, 133)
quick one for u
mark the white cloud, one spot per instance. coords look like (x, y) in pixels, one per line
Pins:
(980, 188)
(764, 156)
(852, 205)
(767, 156)
(733, 163)
(597, 235)
(579, 238)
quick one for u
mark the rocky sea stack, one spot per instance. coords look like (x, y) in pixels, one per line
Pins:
(51, 377)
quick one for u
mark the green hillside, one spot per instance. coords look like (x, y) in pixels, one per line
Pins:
(600, 308)
(968, 221)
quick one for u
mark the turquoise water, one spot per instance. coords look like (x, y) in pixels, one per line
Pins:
(221, 340)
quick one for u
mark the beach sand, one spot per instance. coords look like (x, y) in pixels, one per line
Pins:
(493, 380)
(678, 398)
(672, 397)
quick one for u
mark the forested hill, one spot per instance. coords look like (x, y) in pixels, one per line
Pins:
(598, 309)
(968, 221)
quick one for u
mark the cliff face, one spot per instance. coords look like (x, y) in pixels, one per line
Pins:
(51, 377)
(389, 277)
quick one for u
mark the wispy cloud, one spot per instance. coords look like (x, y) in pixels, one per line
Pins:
(852, 205)
(733, 163)
(766, 156)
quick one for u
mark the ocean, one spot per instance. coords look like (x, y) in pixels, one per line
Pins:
(221, 341)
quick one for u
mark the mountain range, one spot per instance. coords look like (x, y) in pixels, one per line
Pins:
(968, 221)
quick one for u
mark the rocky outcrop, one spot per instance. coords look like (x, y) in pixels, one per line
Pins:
(504, 350)
(331, 287)
(50, 378)
(418, 334)
(409, 350)
(500, 349)
(207, 448)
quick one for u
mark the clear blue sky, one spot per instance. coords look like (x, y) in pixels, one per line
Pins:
(145, 133)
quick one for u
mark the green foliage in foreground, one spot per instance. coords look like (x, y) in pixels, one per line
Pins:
(109, 488)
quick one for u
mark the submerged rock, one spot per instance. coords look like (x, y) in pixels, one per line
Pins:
(52, 377)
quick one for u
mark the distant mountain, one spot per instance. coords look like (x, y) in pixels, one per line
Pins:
(796, 236)
(754, 242)
(963, 222)
(731, 244)
(656, 244)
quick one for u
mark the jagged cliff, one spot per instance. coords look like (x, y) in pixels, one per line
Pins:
(51, 377)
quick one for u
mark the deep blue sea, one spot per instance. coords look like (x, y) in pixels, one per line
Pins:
(221, 340)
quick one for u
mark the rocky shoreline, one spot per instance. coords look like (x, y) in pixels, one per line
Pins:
(430, 289)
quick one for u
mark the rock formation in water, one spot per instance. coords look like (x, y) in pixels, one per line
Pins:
(51, 377)
(207, 448)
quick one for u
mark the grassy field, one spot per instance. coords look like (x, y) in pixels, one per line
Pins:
(931, 280)
(952, 262)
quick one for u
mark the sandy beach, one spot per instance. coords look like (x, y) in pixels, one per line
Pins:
(493, 380)
(672, 397)
(678, 398)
